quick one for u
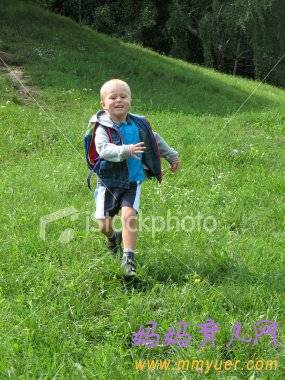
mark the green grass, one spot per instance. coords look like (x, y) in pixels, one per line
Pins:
(66, 311)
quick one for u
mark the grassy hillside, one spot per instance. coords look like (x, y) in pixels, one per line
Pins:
(66, 310)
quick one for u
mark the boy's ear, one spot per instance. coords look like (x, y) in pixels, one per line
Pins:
(102, 103)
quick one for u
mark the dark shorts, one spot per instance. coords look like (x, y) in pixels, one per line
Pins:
(109, 201)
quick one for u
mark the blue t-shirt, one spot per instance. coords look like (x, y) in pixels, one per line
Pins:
(130, 134)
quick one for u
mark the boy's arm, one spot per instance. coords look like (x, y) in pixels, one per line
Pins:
(165, 150)
(113, 152)
(107, 150)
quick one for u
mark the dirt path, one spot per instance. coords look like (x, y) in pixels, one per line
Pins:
(8, 64)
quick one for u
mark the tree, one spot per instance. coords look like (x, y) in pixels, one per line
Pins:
(182, 29)
(124, 18)
(244, 37)
(268, 40)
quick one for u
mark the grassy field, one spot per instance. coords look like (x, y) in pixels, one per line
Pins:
(66, 310)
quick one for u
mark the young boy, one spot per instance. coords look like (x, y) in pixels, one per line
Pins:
(129, 153)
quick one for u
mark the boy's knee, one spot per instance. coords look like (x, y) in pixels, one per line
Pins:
(129, 217)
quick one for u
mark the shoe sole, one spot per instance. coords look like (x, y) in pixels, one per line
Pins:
(131, 274)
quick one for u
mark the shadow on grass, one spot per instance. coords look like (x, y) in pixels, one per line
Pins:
(216, 272)
(130, 284)
(224, 271)
(221, 271)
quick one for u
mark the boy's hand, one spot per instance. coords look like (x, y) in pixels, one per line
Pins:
(174, 166)
(136, 148)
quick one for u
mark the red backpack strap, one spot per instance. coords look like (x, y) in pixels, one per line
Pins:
(93, 154)
(108, 132)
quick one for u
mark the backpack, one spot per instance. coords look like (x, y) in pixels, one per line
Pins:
(91, 155)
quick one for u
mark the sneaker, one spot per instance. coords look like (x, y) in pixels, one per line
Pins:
(128, 263)
(114, 243)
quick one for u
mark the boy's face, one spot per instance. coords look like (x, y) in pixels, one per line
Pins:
(117, 101)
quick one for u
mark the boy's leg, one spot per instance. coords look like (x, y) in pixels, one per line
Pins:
(106, 226)
(129, 222)
(113, 238)
(130, 206)
(107, 203)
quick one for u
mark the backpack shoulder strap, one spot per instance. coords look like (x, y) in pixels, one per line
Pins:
(92, 156)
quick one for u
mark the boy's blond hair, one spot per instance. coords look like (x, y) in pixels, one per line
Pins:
(111, 83)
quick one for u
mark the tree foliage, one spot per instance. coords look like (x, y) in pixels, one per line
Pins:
(245, 37)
